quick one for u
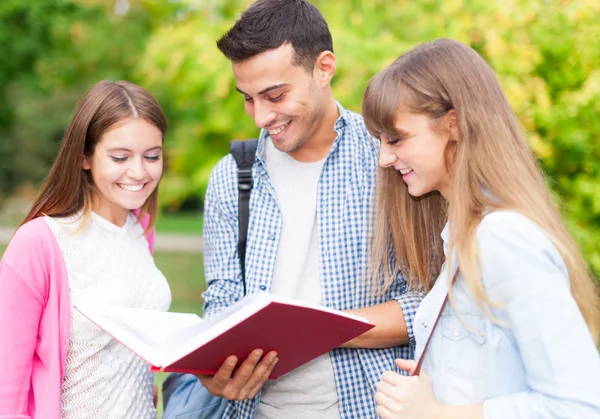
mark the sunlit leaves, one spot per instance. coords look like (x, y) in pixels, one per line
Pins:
(545, 53)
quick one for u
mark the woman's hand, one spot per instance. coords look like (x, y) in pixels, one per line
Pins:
(404, 397)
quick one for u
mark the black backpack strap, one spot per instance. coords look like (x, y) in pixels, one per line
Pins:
(244, 153)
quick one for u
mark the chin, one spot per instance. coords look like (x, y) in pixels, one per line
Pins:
(285, 148)
(417, 193)
(132, 205)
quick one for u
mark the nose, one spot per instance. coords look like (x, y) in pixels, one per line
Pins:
(263, 115)
(136, 170)
(386, 156)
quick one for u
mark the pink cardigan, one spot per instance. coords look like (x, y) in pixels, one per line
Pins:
(34, 288)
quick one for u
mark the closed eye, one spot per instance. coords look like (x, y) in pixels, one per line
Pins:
(399, 137)
(275, 99)
(118, 159)
(152, 158)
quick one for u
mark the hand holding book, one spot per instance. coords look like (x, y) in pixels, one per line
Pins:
(246, 381)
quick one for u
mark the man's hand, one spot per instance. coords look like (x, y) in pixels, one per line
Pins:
(248, 379)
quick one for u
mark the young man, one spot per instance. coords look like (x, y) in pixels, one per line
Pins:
(310, 222)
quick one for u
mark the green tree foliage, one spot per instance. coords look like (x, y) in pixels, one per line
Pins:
(61, 48)
(545, 54)
(24, 35)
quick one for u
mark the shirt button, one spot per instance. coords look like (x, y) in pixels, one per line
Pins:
(263, 287)
(424, 325)
(455, 333)
(347, 407)
(272, 237)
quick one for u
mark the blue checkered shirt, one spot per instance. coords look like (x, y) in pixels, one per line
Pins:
(345, 223)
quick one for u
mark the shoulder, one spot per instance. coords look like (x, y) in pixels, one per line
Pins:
(511, 245)
(223, 177)
(32, 251)
(222, 192)
(226, 167)
(356, 123)
(354, 119)
(33, 236)
(512, 228)
(365, 148)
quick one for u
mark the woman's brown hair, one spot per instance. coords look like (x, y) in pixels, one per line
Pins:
(69, 188)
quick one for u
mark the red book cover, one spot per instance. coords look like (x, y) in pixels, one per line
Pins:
(182, 342)
(298, 334)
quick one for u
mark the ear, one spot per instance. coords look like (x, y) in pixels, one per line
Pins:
(85, 164)
(325, 66)
(452, 124)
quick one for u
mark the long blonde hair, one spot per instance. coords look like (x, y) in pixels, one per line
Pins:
(490, 163)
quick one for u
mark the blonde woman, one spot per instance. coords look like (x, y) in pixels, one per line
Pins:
(517, 337)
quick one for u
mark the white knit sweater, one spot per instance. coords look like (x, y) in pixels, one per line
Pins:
(110, 265)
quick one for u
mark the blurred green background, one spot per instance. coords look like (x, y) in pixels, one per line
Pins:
(546, 54)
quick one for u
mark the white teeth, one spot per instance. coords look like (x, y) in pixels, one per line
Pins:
(405, 171)
(132, 188)
(277, 130)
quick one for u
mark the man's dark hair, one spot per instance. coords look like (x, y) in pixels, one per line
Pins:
(268, 24)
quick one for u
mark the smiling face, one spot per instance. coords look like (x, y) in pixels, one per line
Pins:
(285, 99)
(418, 153)
(125, 167)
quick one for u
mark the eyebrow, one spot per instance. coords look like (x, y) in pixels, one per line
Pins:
(267, 90)
(128, 150)
(401, 133)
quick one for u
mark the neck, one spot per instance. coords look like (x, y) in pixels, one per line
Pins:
(117, 216)
(318, 146)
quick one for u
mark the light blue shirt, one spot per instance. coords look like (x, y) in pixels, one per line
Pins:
(541, 361)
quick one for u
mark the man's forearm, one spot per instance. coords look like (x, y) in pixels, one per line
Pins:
(390, 326)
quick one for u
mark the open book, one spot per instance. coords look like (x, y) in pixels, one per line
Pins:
(180, 342)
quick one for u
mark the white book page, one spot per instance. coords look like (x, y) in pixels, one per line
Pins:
(197, 335)
(292, 302)
(150, 334)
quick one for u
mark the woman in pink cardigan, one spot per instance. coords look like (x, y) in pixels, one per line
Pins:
(87, 239)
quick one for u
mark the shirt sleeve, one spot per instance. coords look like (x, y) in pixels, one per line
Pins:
(20, 311)
(221, 263)
(409, 301)
(525, 274)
